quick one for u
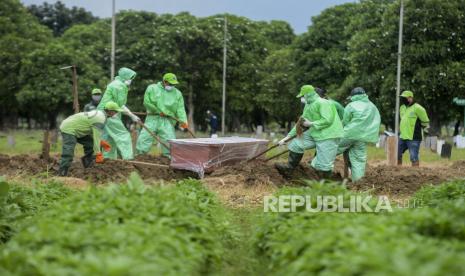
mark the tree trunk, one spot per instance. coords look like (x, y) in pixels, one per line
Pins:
(29, 122)
(435, 124)
(190, 104)
(52, 120)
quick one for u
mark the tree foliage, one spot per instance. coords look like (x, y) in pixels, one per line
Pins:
(59, 18)
(353, 44)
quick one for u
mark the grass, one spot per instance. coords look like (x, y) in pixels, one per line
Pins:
(378, 154)
(30, 142)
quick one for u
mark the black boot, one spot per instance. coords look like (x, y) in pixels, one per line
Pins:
(87, 161)
(325, 175)
(292, 163)
(63, 171)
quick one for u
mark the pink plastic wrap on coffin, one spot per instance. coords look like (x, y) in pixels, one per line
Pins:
(203, 155)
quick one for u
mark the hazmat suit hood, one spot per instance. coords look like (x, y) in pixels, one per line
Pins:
(125, 74)
(361, 97)
(311, 97)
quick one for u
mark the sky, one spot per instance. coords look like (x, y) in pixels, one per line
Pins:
(297, 12)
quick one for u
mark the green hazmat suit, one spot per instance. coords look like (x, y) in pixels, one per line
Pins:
(409, 115)
(114, 132)
(361, 126)
(84, 128)
(339, 108)
(324, 134)
(158, 100)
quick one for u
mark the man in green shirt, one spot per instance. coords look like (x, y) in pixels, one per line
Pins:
(165, 107)
(413, 118)
(85, 128)
(325, 130)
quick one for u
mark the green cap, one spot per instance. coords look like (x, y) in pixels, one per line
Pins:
(96, 91)
(112, 106)
(406, 94)
(170, 78)
(306, 89)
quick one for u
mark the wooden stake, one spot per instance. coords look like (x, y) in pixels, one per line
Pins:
(391, 150)
(46, 146)
(75, 91)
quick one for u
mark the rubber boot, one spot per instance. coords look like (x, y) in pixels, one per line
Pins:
(416, 164)
(292, 163)
(63, 171)
(325, 174)
(87, 161)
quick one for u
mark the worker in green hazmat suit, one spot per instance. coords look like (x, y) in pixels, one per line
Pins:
(361, 126)
(322, 93)
(115, 132)
(325, 130)
(165, 108)
(85, 128)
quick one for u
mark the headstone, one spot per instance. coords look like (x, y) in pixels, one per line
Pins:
(381, 142)
(11, 141)
(434, 141)
(439, 146)
(428, 142)
(460, 141)
(446, 150)
(259, 133)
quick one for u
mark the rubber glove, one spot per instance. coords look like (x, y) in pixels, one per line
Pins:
(99, 158)
(104, 144)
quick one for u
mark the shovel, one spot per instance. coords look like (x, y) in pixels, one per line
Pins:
(270, 148)
(153, 135)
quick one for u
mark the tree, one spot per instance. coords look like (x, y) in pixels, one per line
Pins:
(20, 34)
(46, 89)
(278, 96)
(59, 18)
(321, 53)
(433, 57)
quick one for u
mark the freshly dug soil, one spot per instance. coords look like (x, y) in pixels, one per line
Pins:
(406, 180)
(241, 182)
(109, 171)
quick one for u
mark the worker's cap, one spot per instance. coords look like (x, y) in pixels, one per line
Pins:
(357, 91)
(305, 90)
(320, 91)
(112, 106)
(406, 94)
(170, 78)
(96, 91)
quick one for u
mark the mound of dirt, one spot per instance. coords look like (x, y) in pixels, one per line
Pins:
(250, 174)
(24, 164)
(109, 171)
(407, 180)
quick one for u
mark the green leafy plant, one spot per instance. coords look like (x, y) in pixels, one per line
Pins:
(123, 229)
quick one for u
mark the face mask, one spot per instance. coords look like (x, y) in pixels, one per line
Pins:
(128, 82)
(404, 101)
(169, 88)
(302, 100)
(96, 98)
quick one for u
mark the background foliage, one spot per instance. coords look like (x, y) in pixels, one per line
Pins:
(349, 45)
